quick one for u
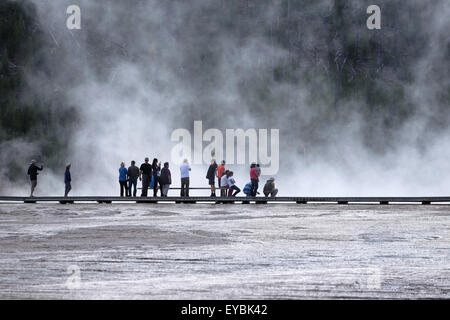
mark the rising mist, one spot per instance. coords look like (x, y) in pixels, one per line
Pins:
(360, 112)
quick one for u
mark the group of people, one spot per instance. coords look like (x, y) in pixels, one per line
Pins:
(33, 173)
(159, 178)
(227, 182)
(151, 175)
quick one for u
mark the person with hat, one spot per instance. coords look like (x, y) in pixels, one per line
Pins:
(67, 180)
(33, 173)
(269, 188)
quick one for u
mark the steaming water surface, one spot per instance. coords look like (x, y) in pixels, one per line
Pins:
(224, 251)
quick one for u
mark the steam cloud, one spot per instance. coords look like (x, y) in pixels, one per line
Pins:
(140, 69)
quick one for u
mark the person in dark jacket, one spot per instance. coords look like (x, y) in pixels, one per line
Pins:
(33, 173)
(269, 188)
(211, 176)
(133, 174)
(165, 179)
(254, 178)
(67, 180)
(156, 168)
(145, 173)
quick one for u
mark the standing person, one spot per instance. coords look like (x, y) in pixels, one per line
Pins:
(123, 179)
(156, 168)
(224, 184)
(254, 178)
(232, 185)
(33, 173)
(145, 173)
(165, 179)
(133, 174)
(211, 176)
(220, 171)
(269, 188)
(184, 170)
(67, 180)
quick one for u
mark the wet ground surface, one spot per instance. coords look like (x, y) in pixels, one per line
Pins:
(182, 251)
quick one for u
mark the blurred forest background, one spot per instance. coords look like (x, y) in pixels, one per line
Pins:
(27, 115)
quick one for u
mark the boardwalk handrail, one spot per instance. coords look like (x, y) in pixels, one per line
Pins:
(261, 199)
(179, 188)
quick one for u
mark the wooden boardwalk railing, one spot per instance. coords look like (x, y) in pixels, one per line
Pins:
(257, 200)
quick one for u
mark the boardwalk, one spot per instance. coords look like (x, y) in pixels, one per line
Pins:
(259, 200)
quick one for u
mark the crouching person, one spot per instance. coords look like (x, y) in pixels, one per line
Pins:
(233, 189)
(269, 188)
(165, 179)
(248, 189)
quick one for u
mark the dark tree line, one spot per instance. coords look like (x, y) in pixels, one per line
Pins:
(24, 113)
